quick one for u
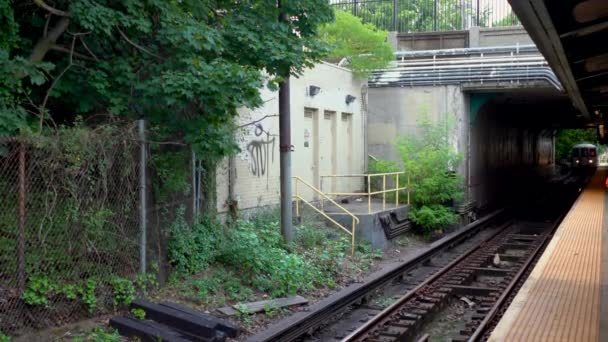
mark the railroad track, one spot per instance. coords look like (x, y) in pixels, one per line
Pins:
(416, 292)
(483, 280)
(480, 275)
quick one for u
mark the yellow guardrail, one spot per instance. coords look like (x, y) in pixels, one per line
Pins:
(298, 198)
(369, 192)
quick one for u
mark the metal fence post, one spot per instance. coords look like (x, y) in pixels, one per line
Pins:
(477, 20)
(435, 15)
(21, 276)
(142, 193)
(395, 29)
(194, 188)
(397, 191)
(355, 8)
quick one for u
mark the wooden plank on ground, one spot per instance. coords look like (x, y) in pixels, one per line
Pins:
(145, 330)
(228, 328)
(177, 319)
(263, 305)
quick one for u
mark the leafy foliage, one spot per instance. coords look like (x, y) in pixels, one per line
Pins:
(101, 335)
(37, 291)
(252, 256)
(566, 138)
(433, 217)
(192, 248)
(187, 66)
(430, 161)
(123, 291)
(363, 45)
(87, 293)
(138, 313)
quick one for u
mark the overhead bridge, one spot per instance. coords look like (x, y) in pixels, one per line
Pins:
(513, 65)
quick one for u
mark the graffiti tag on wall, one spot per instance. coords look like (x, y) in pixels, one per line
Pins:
(261, 152)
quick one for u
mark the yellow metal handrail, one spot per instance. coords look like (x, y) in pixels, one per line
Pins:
(355, 219)
(369, 192)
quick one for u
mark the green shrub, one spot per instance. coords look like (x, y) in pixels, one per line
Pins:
(37, 291)
(191, 249)
(138, 313)
(430, 161)
(433, 217)
(88, 296)
(123, 291)
(251, 255)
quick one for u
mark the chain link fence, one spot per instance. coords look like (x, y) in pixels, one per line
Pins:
(69, 222)
(430, 15)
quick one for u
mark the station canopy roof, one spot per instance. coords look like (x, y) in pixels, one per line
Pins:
(573, 37)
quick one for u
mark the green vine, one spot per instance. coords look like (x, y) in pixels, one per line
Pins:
(37, 291)
(88, 296)
(124, 291)
(139, 313)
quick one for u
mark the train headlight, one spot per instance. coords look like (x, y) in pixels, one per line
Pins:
(591, 161)
(577, 161)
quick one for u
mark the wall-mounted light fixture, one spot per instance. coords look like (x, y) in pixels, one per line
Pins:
(313, 90)
(350, 99)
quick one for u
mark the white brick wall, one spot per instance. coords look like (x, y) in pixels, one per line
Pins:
(257, 166)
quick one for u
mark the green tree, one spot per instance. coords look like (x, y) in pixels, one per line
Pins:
(186, 65)
(566, 138)
(363, 45)
(430, 161)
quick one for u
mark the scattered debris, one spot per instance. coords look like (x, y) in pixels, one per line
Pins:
(469, 302)
(344, 201)
(263, 305)
(496, 260)
(359, 199)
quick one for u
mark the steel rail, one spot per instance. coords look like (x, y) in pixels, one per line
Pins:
(483, 326)
(386, 314)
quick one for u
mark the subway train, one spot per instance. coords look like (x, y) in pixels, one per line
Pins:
(584, 156)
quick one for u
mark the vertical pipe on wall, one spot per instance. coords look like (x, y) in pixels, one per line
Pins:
(142, 193)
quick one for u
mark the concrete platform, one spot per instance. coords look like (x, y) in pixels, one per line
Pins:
(371, 224)
(561, 299)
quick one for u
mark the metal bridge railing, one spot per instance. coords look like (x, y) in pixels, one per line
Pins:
(323, 196)
(369, 193)
(430, 15)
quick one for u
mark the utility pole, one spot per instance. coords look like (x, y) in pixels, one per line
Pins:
(285, 149)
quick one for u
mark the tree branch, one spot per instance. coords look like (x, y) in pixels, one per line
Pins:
(87, 48)
(66, 50)
(48, 92)
(53, 10)
(44, 44)
(136, 45)
(46, 25)
(256, 121)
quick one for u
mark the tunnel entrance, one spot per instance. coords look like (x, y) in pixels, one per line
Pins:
(512, 142)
